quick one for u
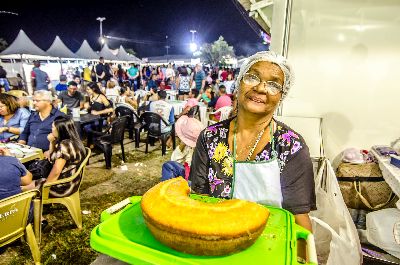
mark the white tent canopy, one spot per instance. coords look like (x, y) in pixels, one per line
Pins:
(58, 49)
(124, 56)
(23, 48)
(108, 54)
(23, 45)
(86, 52)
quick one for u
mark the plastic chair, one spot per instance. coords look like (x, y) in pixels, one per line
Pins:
(73, 201)
(14, 212)
(194, 112)
(142, 109)
(106, 141)
(224, 114)
(152, 124)
(133, 124)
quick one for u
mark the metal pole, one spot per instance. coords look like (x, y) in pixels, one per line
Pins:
(166, 46)
(30, 91)
(101, 19)
(193, 32)
(101, 28)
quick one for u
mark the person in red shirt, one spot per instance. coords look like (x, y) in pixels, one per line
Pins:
(223, 101)
(224, 75)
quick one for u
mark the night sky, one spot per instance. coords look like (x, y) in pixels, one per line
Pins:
(147, 22)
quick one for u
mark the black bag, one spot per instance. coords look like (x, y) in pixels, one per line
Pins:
(40, 169)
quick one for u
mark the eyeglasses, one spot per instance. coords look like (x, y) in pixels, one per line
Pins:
(272, 87)
(37, 100)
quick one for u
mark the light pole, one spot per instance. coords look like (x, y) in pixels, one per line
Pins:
(101, 39)
(167, 46)
(193, 45)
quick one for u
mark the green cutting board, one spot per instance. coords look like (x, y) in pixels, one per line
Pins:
(125, 236)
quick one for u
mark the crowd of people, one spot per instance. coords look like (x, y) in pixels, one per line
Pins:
(225, 160)
(99, 89)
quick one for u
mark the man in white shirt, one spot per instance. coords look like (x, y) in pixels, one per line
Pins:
(164, 109)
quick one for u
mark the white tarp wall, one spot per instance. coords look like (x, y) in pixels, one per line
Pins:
(345, 56)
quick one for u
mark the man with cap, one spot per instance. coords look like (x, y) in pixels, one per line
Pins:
(188, 130)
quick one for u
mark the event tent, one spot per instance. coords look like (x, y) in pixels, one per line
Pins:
(124, 56)
(108, 54)
(58, 49)
(86, 52)
(22, 46)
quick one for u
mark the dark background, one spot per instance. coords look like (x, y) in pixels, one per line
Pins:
(147, 22)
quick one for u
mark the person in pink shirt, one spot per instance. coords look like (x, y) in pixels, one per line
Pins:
(223, 101)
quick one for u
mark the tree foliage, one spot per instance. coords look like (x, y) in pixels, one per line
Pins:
(3, 44)
(130, 51)
(217, 52)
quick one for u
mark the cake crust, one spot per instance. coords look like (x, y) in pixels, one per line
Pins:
(197, 227)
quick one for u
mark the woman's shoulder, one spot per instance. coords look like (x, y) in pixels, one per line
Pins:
(23, 112)
(288, 141)
(67, 149)
(217, 130)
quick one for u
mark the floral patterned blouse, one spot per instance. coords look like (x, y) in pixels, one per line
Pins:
(212, 166)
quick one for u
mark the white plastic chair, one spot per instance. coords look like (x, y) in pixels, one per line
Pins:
(224, 114)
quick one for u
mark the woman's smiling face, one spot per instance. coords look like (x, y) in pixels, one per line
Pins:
(256, 99)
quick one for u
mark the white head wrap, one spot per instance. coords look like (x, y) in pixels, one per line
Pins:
(272, 57)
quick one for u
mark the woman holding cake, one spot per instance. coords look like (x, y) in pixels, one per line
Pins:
(252, 156)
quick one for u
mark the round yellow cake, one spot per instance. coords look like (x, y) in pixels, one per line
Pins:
(197, 227)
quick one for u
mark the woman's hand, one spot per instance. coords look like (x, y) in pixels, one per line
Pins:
(3, 129)
(5, 152)
(95, 112)
(51, 138)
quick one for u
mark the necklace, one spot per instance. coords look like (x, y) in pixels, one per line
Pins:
(257, 139)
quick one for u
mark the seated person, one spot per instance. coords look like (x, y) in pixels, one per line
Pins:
(152, 82)
(13, 175)
(164, 109)
(141, 93)
(153, 95)
(223, 101)
(71, 98)
(39, 123)
(62, 86)
(12, 118)
(66, 153)
(98, 102)
(191, 102)
(23, 102)
(206, 95)
(98, 105)
(124, 97)
(112, 90)
(213, 101)
(187, 129)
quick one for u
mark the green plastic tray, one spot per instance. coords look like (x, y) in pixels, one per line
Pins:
(125, 236)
